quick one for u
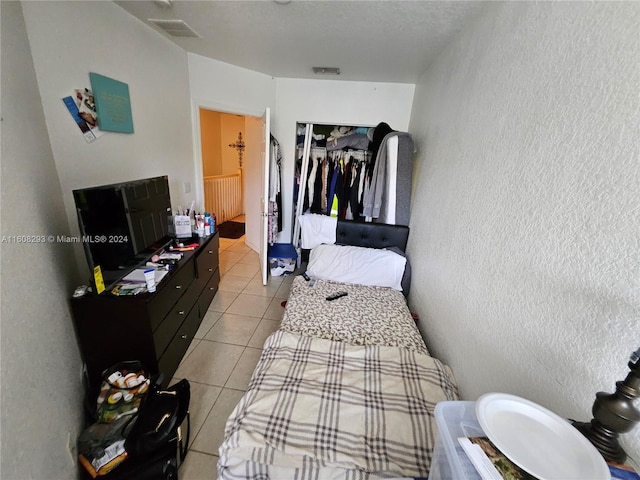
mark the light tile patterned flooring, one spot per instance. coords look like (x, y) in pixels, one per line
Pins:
(225, 350)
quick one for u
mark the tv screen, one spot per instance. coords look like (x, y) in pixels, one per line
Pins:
(123, 223)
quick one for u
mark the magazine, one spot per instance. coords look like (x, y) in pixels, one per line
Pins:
(490, 462)
(622, 472)
(81, 106)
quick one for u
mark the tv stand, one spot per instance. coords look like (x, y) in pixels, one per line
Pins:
(154, 328)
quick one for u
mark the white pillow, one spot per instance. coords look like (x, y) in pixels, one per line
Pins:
(359, 265)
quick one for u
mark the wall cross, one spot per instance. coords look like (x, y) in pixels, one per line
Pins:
(239, 146)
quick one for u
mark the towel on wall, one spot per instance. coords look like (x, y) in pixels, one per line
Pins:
(317, 229)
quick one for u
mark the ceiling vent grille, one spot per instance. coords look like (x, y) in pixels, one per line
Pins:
(175, 28)
(326, 70)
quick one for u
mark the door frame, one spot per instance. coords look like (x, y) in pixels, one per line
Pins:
(196, 105)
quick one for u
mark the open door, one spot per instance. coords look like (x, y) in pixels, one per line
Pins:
(264, 260)
(256, 185)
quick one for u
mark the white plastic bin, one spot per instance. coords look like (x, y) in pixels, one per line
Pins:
(454, 419)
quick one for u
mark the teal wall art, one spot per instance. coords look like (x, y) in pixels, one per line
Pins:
(113, 105)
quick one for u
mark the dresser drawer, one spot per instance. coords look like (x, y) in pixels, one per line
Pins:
(170, 359)
(176, 317)
(207, 260)
(208, 293)
(168, 293)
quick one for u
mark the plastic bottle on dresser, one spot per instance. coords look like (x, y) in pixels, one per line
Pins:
(200, 224)
(207, 224)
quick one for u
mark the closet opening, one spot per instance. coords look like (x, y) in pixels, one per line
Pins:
(352, 172)
(331, 165)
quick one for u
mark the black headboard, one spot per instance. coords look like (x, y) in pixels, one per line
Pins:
(372, 235)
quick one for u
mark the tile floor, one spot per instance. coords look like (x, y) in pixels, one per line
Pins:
(225, 350)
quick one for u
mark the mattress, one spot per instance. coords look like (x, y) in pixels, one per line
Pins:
(322, 409)
(365, 316)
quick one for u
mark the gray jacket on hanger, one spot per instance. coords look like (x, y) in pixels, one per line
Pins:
(376, 202)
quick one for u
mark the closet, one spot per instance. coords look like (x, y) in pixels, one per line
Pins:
(358, 173)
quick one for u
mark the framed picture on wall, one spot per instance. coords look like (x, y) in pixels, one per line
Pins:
(113, 104)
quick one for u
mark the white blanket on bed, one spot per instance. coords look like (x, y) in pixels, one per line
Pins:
(317, 229)
(321, 409)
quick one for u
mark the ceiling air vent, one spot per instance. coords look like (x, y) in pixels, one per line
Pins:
(326, 71)
(175, 28)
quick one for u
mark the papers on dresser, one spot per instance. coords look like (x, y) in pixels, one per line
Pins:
(137, 276)
(135, 283)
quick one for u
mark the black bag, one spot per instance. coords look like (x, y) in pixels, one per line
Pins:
(159, 421)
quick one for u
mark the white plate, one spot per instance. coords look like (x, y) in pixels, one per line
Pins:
(537, 440)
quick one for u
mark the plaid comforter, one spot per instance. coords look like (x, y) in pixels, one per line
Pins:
(321, 409)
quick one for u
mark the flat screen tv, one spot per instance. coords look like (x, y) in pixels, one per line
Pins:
(123, 224)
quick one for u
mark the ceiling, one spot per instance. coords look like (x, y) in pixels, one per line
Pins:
(378, 41)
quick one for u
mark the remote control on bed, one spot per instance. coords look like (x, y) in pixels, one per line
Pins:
(337, 295)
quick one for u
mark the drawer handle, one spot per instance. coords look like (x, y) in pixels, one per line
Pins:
(183, 337)
(178, 287)
(210, 252)
(210, 269)
(211, 288)
(181, 312)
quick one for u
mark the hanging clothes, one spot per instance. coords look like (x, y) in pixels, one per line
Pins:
(349, 180)
(379, 133)
(312, 200)
(274, 223)
(346, 189)
(311, 180)
(353, 213)
(332, 198)
(333, 182)
(325, 181)
(388, 198)
(316, 203)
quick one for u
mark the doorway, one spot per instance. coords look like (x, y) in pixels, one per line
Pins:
(253, 165)
(222, 142)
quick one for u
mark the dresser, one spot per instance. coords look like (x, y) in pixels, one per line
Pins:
(154, 328)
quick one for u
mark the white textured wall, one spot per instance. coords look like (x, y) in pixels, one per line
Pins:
(525, 233)
(225, 87)
(68, 40)
(41, 391)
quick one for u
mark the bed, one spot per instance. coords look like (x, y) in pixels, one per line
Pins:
(345, 388)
